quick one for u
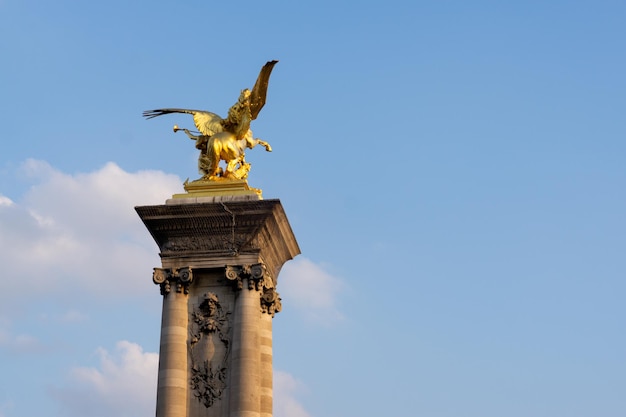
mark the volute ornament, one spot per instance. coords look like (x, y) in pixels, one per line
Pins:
(166, 277)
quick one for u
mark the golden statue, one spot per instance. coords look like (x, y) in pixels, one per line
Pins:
(226, 139)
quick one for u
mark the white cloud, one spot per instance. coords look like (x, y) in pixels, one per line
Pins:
(100, 202)
(69, 316)
(123, 385)
(81, 231)
(286, 387)
(308, 288)
(73, 316)
(21, 343)
(5, 201)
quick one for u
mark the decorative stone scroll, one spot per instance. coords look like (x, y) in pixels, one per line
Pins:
(256, 275)
(166, 277)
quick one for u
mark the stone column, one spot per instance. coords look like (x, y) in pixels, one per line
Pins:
(216, 359)
(173, 375)
(245, 395)
(245, 398)
(251, 375)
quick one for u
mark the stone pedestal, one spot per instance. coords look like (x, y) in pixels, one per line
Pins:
(220, 257)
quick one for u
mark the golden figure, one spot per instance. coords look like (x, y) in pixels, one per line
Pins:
(226, 139)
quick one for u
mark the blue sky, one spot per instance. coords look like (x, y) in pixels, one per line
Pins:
(453, 172)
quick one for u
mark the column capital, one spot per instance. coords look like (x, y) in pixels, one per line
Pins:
(166, 277)
(255, 273)
(258, 280)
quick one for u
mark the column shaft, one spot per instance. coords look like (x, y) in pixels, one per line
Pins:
(245, 373)
(173, 379)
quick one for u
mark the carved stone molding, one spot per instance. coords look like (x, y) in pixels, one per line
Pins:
(166, 277)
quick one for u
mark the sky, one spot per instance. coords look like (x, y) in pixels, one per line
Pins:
(453, 171)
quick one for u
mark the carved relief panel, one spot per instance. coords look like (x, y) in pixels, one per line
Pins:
(209, 349)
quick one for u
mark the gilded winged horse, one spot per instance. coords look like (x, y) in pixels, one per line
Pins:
(226, 139)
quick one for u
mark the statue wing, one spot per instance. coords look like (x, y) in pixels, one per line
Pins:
(206, 122)
(259, 91)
